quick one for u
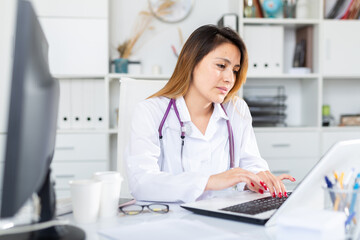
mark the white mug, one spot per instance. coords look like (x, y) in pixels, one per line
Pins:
(110, 193)
(85, 195)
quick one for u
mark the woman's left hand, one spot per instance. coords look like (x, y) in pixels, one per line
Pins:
(274, 183)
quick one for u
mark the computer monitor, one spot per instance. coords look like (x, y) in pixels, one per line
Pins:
(31, 133)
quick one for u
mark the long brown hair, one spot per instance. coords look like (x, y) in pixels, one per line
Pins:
(202, 41)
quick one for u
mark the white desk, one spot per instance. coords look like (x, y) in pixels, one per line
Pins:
(203, 227)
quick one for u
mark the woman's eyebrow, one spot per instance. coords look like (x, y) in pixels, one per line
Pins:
(227, 60)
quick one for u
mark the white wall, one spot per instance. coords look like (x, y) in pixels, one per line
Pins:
(156, 45)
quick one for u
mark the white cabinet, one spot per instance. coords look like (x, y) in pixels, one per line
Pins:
(78, 156)
(77, 46)
(289, 152)
(71, 8)
(78, 37)
(341, 48)
(332, 136)
(63, 172)
(288, 144)
(77, 33)
(81, 147)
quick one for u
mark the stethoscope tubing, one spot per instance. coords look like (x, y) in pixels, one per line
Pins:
(182, 136)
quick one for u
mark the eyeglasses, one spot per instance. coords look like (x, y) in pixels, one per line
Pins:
(136, 209)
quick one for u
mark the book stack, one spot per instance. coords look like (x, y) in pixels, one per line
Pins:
(267, 105)
(342, 9)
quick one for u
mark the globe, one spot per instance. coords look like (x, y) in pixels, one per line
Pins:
(272, 7)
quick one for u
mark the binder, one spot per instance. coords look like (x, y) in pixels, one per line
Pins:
(77, 115)
(88, 103)
(64, 114)
(265, 57)
(99, 104)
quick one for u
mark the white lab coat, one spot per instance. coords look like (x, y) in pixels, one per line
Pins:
(203, 155)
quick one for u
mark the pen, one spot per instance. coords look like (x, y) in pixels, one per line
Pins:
(330, 186)
(353, 200)
(337, 203)
(336, 176)
(341, 179)
(357, 179)
(348, 220)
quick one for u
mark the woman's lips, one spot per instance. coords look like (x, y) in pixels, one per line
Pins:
(223, 90)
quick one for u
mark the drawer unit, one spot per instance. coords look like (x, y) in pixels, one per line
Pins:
(60, 194)
(63, 172)
(288, 144)
(81, 147)
(298, 168)
(78, 156)
(330, 138)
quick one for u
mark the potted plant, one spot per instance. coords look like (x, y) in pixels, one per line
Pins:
(143, 22)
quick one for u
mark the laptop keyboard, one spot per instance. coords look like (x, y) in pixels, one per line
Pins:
(257, 206)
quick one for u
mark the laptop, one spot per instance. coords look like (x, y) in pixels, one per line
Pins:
(308, 194)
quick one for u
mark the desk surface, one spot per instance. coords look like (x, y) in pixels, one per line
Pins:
(177, 224)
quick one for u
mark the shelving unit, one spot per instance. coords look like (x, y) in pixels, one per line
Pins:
(329, 83)
(296, 148)
(293, 149)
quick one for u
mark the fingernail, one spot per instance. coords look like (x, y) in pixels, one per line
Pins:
(285, 194)
(261, 183)
(252, 185)
(279, 195)
(294, 179)
(274, 196)
(265, 187)
(261, 191)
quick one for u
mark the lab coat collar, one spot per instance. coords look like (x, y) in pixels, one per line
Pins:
(219, 112)
(183, 110)
(185, 115)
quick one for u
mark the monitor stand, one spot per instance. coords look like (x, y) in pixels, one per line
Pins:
(47, 213)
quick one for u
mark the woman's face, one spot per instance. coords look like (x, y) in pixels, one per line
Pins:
(215, 75)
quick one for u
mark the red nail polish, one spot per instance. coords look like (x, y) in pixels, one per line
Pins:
(261, 183)
(274, 196)
(294, 179)
(252, 185)
(285, 194)
(261, 191)
(279, 194)
(265, 187)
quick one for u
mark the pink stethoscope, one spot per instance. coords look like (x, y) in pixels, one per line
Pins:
(183, 129)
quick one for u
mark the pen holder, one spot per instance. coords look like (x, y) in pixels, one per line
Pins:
(348, 202)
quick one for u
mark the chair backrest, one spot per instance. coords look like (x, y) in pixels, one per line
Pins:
(132, 91)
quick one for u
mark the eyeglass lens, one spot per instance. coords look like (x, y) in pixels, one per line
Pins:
(136, 209)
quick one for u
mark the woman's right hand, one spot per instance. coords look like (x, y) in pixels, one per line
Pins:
(234, 176)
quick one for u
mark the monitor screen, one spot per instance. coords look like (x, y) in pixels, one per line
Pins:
(31, 132)
(33, 111)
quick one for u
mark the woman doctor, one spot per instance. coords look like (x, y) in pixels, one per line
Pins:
(195, 135)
